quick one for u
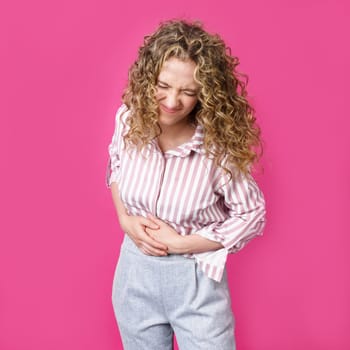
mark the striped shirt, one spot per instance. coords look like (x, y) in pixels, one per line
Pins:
(185, 189)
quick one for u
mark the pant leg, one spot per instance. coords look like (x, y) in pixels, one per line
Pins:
(138, 304)
(199, 308)
(154, 295)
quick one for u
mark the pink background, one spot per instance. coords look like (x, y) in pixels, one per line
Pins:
(63, 67)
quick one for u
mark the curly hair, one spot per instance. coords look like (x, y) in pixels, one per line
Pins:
(231, 136)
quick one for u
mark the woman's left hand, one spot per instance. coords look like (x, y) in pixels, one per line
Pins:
(166, 235)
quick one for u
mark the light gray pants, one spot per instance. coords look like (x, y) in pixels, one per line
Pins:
(153, 297)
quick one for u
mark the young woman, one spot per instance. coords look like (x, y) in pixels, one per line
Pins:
(180, 175)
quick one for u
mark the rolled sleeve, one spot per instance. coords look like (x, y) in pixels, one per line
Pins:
(245, 206)
(113, 166)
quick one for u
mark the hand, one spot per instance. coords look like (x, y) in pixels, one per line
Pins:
(135, 227)
(165, 234)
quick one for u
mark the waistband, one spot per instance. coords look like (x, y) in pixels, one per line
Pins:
(129, 245)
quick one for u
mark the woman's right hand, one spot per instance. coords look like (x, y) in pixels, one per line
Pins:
(134, 227)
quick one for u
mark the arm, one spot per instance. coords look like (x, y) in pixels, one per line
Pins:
(197, 244)
(246, 219)
(178, 244)
(245, 206)
(134, 226)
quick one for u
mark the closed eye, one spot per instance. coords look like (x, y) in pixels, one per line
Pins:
(162, 86)
(190, 93)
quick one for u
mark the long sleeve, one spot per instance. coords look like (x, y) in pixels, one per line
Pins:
(245, 206)
(185, 188)
(112, 171)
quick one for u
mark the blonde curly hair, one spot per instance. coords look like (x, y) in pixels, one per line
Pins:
(231, 136)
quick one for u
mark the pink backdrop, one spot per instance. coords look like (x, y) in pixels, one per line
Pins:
(63, 67)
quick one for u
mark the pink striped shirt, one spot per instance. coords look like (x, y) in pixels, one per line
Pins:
(186, 190)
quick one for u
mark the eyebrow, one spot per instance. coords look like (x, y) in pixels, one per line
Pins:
(186, 89)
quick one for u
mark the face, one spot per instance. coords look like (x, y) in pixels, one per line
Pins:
(177, 92)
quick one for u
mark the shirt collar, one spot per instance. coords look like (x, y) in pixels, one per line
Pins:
(194, 144)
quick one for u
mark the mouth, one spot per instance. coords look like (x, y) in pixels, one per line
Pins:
(168, 110)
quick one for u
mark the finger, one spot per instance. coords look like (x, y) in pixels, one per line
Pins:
(142, 247)
(152, 241)
(154, 219)
(149, 223)
(156, 243)
(144, 251)
(151, 233)
(153, 251)
(150, 249)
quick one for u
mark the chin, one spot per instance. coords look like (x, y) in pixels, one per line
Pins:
(166, 122)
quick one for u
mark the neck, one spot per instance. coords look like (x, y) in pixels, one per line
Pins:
(173, 136)
(174, 130)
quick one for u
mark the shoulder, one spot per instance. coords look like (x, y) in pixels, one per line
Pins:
(122, 113)
(121, 118)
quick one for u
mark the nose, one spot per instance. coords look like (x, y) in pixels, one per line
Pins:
(172, 100)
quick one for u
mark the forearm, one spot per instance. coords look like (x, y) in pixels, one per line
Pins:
(197, 244)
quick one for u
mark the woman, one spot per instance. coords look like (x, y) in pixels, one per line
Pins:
(179, 173)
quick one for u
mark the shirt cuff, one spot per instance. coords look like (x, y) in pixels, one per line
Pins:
(209, 233)
(111, 175)
(212, 263)
(112, 178)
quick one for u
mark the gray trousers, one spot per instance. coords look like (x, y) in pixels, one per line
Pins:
(153, 297)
